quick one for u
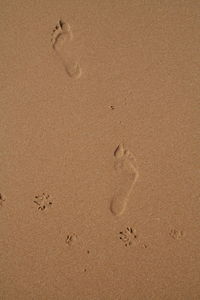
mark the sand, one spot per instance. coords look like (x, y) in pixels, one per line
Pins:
(99, 153)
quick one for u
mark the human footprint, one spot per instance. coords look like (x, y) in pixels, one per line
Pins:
(62, 34)
(127, 175)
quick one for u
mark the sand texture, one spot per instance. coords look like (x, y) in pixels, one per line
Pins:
(99, 150)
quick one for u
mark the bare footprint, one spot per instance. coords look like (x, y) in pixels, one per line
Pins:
(127, 174)
(62, 34)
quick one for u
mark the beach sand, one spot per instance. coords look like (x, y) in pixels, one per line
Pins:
(99, 152)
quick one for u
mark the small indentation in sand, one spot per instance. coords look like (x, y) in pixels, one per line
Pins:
(71, 238)
(2, 199)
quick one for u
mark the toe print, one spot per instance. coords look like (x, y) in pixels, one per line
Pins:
(127, 171)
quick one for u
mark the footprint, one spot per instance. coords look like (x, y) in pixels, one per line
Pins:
(62, 34)
(177, 234)
(43, 201)
(2, 199)
(71, 238)
(127, 174)
(127, 236)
